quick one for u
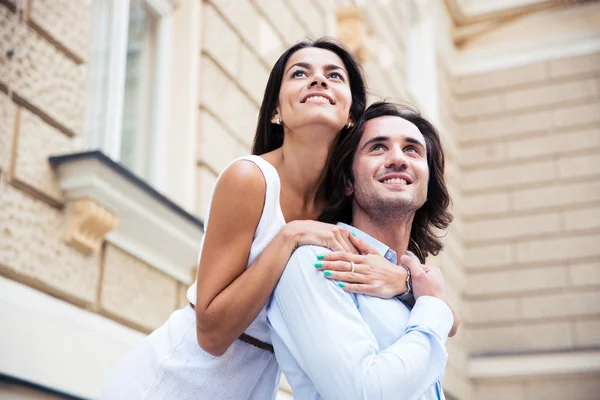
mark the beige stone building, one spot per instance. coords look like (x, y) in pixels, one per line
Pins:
(117, 115)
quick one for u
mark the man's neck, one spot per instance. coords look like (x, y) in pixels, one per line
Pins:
(394, 234)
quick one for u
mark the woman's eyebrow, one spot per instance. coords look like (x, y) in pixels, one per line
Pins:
(299, 64)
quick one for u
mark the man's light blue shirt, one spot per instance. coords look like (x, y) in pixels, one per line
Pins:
(331, 344)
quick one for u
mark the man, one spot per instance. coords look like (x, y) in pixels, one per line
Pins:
(387, 180)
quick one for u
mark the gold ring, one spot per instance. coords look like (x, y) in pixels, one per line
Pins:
(351, 266)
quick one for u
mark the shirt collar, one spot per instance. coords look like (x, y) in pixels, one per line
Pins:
(384, 250)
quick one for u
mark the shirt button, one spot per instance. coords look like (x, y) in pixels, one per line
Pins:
(388, 255)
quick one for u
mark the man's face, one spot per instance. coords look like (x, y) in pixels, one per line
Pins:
(390, 169)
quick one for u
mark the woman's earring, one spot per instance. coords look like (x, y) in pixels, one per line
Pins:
(278, 120)
(349, 125)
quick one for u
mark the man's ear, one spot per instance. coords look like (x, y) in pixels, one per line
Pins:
(349, 188)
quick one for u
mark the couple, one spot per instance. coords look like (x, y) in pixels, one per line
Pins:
(334, 303)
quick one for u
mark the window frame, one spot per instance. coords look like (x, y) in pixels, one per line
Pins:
(106, 104)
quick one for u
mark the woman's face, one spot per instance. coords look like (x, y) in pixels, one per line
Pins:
(315, 90)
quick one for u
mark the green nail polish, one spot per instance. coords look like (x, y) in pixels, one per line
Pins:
(341, 284)
(354, 234)
(318, 265)
(328, 273)
(320, 256)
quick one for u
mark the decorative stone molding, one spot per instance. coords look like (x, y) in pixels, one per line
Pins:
(353, 31)
(150, 226)
(88, 223)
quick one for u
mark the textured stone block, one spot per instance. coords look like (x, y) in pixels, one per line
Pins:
(46, 78)
(562, 305)
(38, 141)
(283, 19)
(556, 195)
(582, 387)
(220, 41)
(136, 291)
(483, 154)
(529, 74)
(558, 249)
(252, 74)
(243, 16)
(497, 310)
(481, 257)
(32, 246)
(7, 128)
(512, 227)
(311, 16)
(587, 333)
(587, 218)
(474, 205)
(521, 336)
(74, 30)
(509, 176)
(585, 274)
(479, 106)
(555, 144)
(516, 281)
(579, 166)
(566, 117)
(223, 98)
(499, 391)
(216, 146)
(506, 125)
(550, 94)
(587, 64)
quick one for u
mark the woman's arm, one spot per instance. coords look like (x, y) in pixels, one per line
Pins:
(229, 296)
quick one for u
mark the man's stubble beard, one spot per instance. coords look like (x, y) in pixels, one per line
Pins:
(385, 211)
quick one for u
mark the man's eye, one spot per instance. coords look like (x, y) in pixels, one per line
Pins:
(299, 73)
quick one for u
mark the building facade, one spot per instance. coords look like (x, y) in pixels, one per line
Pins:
(116, 116)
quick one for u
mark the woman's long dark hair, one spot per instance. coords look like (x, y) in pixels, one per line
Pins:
(269, 136)
(434, 213)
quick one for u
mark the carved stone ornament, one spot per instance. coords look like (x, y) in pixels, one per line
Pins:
(352, 30)
(87, 225)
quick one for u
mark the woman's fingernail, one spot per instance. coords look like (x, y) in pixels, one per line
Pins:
(328, 273)
(341, 284)
(320, 256)
(318, 265)
(354, 234)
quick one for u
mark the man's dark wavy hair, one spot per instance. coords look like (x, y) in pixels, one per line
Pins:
(434, 213)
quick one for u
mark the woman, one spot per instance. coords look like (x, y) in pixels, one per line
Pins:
(218, 347)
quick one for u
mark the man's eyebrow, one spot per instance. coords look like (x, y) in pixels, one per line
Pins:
(375, 140)
(415, 141)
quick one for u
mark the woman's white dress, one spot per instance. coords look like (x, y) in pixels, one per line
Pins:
(169, 363)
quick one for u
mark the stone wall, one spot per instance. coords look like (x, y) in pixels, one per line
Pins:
(44, 117)
(530, 179)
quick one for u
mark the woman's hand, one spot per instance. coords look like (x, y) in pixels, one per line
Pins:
(307, 232)
(373, 274)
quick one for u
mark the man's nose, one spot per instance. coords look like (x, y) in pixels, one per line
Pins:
(397, 159)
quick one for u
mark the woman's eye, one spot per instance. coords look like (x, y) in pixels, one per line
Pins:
(411, 149)
(298, 73)
(378, 147)
(336, 75)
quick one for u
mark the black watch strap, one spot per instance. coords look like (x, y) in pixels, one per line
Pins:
(407, 297)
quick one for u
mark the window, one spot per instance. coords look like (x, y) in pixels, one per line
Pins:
(128, 81)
